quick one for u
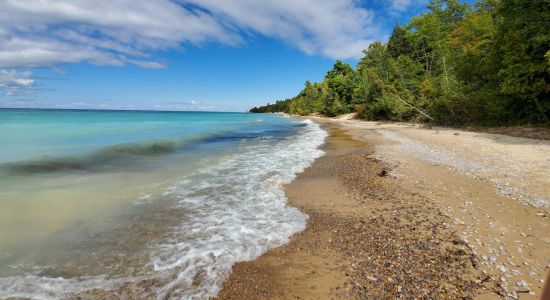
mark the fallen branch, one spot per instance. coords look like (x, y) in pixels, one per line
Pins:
(415, 108)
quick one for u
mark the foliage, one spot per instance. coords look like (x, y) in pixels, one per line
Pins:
(398, 44)
(522, 40)
(456, 64)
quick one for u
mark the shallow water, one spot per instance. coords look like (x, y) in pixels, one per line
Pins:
(150, 204)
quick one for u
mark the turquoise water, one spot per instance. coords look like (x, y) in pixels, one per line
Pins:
(53, 135)
(164, 202)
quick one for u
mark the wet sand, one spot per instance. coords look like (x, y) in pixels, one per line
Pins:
(370, 235)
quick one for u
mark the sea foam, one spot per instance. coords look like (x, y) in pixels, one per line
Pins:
(233, 209)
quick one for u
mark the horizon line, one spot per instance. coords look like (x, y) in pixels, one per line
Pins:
(121, 109)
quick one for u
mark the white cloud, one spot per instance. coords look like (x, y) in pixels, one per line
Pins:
(333, 28)
(400, 5)
(117, 32)
(12, 81)
(49, 33)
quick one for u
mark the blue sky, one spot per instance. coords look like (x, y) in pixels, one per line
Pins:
(180, 54)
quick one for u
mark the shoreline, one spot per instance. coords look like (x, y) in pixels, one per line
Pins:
(376, 229)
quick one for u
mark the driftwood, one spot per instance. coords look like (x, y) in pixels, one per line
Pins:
(415, 108)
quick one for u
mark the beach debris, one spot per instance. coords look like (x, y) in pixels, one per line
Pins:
(407, 242)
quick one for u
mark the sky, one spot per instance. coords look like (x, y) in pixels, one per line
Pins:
(211, 55)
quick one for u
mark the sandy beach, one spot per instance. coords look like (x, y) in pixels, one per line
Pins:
(396, 210)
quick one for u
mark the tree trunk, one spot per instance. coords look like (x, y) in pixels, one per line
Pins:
(539, 107)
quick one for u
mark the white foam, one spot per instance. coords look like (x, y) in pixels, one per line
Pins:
(46, 288)
(234, 210)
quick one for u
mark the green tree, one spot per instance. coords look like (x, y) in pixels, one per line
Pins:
(339, 82)
(398, 44)
(522, 40)
(485, 64)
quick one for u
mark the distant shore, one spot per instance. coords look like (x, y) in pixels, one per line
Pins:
(397, 210)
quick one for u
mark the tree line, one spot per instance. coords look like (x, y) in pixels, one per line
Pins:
(456, 64)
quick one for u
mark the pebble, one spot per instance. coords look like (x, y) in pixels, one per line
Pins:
(522, 283)
(512, 295)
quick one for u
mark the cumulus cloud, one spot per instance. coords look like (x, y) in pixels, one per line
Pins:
(117, 32)
(12, 81)
(400, 5)
(49, 33)
(333, 28)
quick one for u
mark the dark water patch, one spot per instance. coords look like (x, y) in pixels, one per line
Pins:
(154, 148)
(273, 132)
(114, 155)
(44, 166)
(121, 156)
